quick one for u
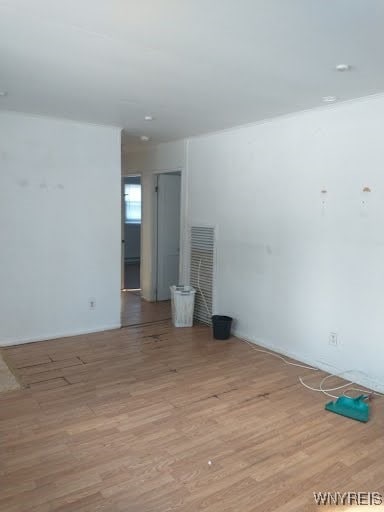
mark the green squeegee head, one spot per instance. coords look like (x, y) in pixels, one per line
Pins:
(355, 408)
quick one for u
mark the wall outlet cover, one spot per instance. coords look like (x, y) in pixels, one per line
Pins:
(333, 339)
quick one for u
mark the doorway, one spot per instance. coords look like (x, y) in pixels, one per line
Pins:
(131, 233)
(148, 271)
(168, 193)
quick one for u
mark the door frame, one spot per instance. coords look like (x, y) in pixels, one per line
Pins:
(156, 229)
(148, 265)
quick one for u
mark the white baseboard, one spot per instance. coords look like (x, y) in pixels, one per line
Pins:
(353, 374)
(54, 336)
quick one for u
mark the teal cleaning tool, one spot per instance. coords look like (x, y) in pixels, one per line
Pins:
(355, 408)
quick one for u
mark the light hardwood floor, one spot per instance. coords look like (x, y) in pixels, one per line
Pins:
(127, 420)
(136, 310)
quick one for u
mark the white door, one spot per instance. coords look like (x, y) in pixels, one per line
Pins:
(168, 233)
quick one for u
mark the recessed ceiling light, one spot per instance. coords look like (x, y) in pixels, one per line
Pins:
(329, 99)
(148, 118)
(144, 138)
(3, 93)
(343, 67)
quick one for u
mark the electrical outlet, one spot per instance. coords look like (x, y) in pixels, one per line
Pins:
(92, 303)
(333, 339)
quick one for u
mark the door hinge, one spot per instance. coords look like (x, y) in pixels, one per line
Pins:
(156, 188)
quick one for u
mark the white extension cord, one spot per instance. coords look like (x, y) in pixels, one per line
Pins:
(201, 291)
(349, 386)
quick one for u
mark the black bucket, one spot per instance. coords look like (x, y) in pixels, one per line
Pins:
(221, 327)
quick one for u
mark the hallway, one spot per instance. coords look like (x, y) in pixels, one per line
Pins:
(137, 311)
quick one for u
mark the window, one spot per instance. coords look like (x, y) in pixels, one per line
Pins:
(132, 197)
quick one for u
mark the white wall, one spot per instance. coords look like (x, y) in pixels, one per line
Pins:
(169, 156)
(59, 227)
(162, 158)
(286, 272)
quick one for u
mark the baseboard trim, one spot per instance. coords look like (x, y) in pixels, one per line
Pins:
(55, 336)
(354, 375)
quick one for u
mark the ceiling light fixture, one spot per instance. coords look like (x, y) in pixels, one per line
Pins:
(144, 138)
(343, 67)
(329, 99)
(148, 118)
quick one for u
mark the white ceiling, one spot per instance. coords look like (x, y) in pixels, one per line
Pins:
(195, 65)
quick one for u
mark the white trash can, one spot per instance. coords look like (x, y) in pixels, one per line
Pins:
(183, 303)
